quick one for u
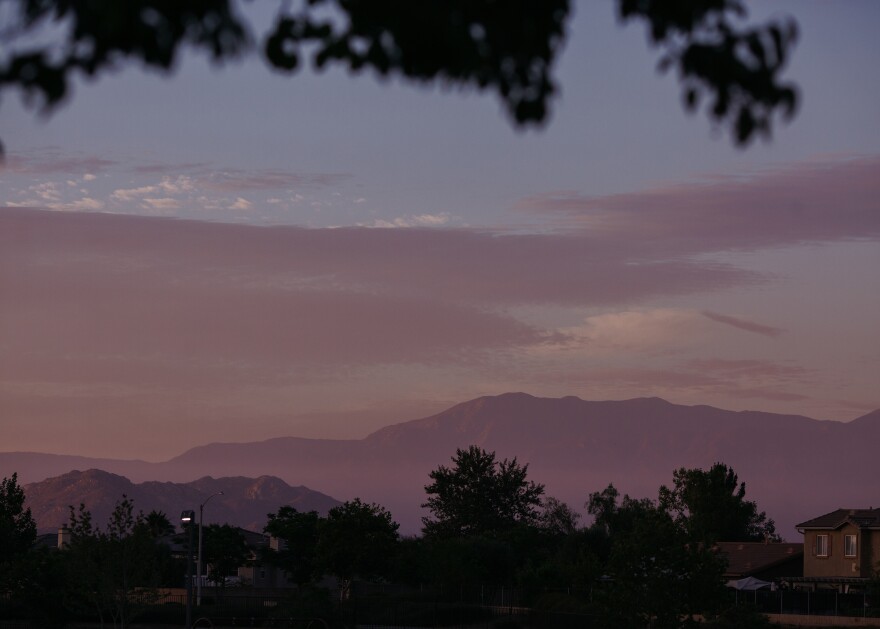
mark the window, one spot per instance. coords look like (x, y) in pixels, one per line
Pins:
(821, 545)
(850, 545)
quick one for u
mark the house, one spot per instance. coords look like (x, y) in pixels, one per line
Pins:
(762, 560)
(259, 573)
(841, 549)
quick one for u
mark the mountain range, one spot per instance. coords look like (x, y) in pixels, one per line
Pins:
(244, 502)
(794, 467)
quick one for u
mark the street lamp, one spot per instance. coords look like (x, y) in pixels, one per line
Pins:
(199, 572)
(186, 518)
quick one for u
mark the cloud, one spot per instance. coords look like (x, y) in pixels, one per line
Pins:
(420, 220)
(805, 202)
(50, 163)
(198, 294)
(164, 203)
(753, 371)
(85, 204)
(241, 204)
(240, 180)
(89, 177)
(743, 324)
(658, 329)
(47, 191)
(164, 168)
(178, 185)
(132, 194)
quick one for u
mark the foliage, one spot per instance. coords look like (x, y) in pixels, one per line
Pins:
(656, 574)
(111, 572)
(356, 539)
(18, 531)
(468, 561)
(480, 496)
(507, 47)
(557, 518)
(297, 556)
(738, 69)
(158, 524)
(711, 506)
(225, 550)
(28, 576)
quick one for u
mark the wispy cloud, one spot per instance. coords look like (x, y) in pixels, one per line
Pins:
(420, 220)
(743, 324)
(52, 163)
(805, 202)
(132, 194)
(242, 180)
(163, 203)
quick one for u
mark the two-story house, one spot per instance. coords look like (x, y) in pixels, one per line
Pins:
(841, 548)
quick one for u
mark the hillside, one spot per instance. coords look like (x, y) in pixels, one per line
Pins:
(245, 501)
(794, 466)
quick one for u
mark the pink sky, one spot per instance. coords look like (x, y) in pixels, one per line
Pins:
(234, 256)
(121, 330)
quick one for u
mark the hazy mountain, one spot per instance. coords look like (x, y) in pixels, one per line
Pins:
(794, 466)
(245, 501)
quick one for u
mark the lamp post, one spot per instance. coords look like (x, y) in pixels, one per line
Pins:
(199, 570)
(186, 518)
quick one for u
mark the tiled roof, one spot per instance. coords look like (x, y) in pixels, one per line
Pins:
(863, 518)
(749, 557)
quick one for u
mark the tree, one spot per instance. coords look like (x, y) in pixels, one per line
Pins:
(356, 539)
(24, 570)
(506, 47)
(658, 577)
(557, 518)
(18, 531)
(711, 506)
(111, 572)
(225, 550)
(480, 496)
(297, 556)
(158, 524)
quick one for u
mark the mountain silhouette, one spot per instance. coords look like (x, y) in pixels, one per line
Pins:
(794, 467)
(245, 501)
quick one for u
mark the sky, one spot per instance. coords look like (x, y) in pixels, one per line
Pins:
(229, 254)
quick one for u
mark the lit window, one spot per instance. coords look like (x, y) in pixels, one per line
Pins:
(850, 545)
(821, 545)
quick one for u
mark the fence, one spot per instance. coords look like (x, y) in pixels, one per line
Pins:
(471, 607)
(818, 603)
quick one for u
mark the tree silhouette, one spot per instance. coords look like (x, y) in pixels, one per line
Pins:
(106, 567)
(480, 496)
(158, 524)
(226, 550)
(356, 539)
(658, 576)
(712, 507)
(298, 554)
(17, 527)
(508, 47)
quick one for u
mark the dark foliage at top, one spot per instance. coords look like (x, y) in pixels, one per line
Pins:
(506, 47)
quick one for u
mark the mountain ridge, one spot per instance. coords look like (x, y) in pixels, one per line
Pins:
(793, 465)
(245, 501)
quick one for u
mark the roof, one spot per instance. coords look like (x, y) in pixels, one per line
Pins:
(862, 518)
(750, 557)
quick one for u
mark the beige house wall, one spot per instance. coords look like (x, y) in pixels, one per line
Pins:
(836, 564)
